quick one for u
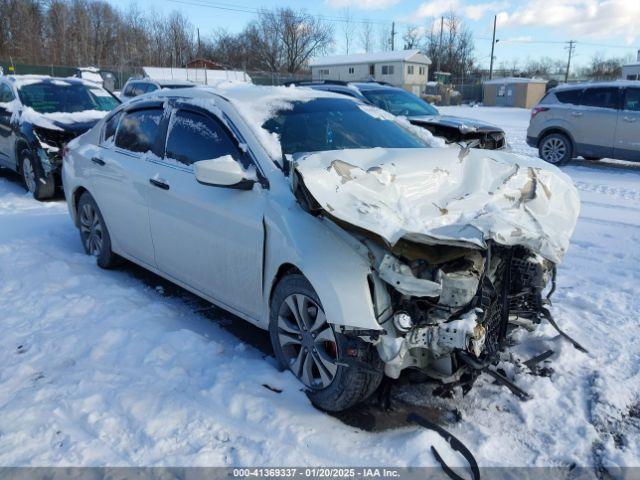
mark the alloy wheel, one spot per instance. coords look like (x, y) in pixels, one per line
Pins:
(307, 341)
(554, 150)
(91, 228)
(29, 175)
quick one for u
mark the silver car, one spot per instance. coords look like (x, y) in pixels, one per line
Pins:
(593, 120)
(139, 86)
(337, 227)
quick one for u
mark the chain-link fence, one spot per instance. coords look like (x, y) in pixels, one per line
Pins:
(121, 74)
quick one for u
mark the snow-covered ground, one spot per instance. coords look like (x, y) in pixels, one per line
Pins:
(118, 368)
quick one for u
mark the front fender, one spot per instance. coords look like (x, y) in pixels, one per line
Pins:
(335, 269)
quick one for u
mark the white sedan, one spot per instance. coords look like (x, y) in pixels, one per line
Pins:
(362, 244)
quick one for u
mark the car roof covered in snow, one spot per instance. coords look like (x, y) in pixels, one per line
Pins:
(610, 83)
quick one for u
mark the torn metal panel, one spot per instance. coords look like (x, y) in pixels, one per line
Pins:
(402, 279)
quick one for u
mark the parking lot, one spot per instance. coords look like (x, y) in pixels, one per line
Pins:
(119, 368)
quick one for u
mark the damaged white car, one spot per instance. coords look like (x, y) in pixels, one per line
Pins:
(363, 248)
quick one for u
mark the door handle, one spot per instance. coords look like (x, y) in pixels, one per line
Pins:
(156, 182)
(576, 114)
(98, 161)
(629, 119)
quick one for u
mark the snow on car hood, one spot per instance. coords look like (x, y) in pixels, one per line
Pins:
(61, 120)
(447, 195)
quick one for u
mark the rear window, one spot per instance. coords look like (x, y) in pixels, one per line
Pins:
(139, 130)
(603, 97)
(134, 89)
(571, 96)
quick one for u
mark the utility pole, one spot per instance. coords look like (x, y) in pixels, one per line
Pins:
(493, 44)
(393, 36)
(198, 30)
(572, 45)
(440, 43)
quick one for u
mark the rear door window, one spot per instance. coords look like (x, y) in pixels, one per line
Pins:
(632, 99)
(602, 97)
(193, 137)
(571, 96)
(139, 130)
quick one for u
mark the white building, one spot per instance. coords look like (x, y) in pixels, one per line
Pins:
(631, 71)
(408, 69)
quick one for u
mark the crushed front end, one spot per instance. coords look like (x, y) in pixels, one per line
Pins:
(451, 307)
(49, 144)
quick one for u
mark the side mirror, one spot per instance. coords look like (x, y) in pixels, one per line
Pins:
(222, 172)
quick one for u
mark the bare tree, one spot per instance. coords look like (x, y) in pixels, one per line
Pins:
(601, 68)
(366, 36)
(411, 37)
(348, 29)
(384, 38)
(93, 32)
(454, 53)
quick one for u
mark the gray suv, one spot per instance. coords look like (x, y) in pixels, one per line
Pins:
(592, 120)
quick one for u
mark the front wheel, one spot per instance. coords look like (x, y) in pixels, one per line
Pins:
(556, 148)
(41, 186)
(337, 371)
(94, 233)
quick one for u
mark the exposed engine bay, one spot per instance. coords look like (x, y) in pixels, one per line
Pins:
(461, 317)
(462, 246)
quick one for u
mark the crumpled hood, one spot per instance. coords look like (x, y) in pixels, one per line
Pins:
(447, 196)
(77, 122)
(462, 124)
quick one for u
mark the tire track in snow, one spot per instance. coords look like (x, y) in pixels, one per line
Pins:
(618, 192)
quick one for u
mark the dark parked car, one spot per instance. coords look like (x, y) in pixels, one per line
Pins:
(402, 103)
(38, 117)
(139, 86)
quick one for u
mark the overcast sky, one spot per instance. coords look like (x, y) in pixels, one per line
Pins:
(526, 29)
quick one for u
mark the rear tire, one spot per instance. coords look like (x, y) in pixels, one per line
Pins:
(34, 179)
(556, 149)
(342, 371)
(94, 233)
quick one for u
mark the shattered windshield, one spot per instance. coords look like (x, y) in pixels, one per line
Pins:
(399, 102)
(50, 97)
(336, 124)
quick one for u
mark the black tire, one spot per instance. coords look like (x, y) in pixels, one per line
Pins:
(556, 149)
(91, 226)
(41, 186)
(359, 368)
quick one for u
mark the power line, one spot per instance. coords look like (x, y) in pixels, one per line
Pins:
(255, 11)
(233, 7)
